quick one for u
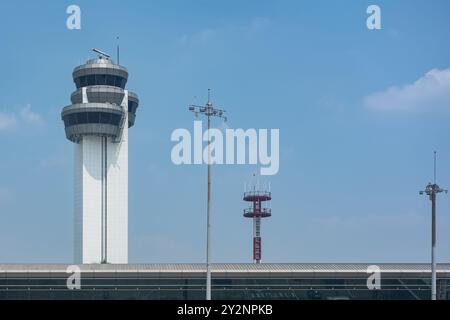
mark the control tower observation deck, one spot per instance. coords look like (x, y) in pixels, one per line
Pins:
(97, 123)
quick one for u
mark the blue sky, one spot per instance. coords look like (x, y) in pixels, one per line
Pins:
(360, 113)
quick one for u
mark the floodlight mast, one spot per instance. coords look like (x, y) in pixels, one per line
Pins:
(431, 190)
(209, 111)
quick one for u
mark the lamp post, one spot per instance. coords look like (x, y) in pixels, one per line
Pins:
(431, 190)
(209, 111)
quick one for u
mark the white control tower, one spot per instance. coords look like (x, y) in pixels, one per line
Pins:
(97, 122)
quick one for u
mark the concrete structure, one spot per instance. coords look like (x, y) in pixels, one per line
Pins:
(97, 123)
(238, 281)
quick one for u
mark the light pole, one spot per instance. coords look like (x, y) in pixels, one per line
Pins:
(431, 190)
(209, 111)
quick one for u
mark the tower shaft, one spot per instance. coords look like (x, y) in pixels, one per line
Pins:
(101, 200)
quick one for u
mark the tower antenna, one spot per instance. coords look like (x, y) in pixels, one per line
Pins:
(435, 155)
(118, 49)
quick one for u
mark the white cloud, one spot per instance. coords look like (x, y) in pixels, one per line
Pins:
(30, 117)
(11, 120)
(432, 91)
(7, 121)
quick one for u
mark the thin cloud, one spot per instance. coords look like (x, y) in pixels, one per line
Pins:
(204, 36)
(13, 120)
(7, 121)
(432, 91)
(200, 37)
(30, 116)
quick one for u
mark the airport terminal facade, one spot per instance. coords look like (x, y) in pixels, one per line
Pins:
(295, 281)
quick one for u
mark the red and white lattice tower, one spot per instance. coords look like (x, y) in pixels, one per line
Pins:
(256, 211)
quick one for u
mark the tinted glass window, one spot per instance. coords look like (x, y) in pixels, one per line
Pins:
(115, 119)
(82, 118)
(94, 117)
(105, 117)
(121, 82)
(100, 79)
(90, 80)
(73, 118)
(83, 81)
(70, 120)
(131, 106)
(110, 80)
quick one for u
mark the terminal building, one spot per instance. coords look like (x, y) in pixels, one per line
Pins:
(265, 281)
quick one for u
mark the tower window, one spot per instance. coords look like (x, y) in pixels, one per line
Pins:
(100, 80)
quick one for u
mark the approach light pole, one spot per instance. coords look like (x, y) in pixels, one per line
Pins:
(209, 111)
(431, 190)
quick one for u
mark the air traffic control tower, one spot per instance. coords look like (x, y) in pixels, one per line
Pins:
(97, 123)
